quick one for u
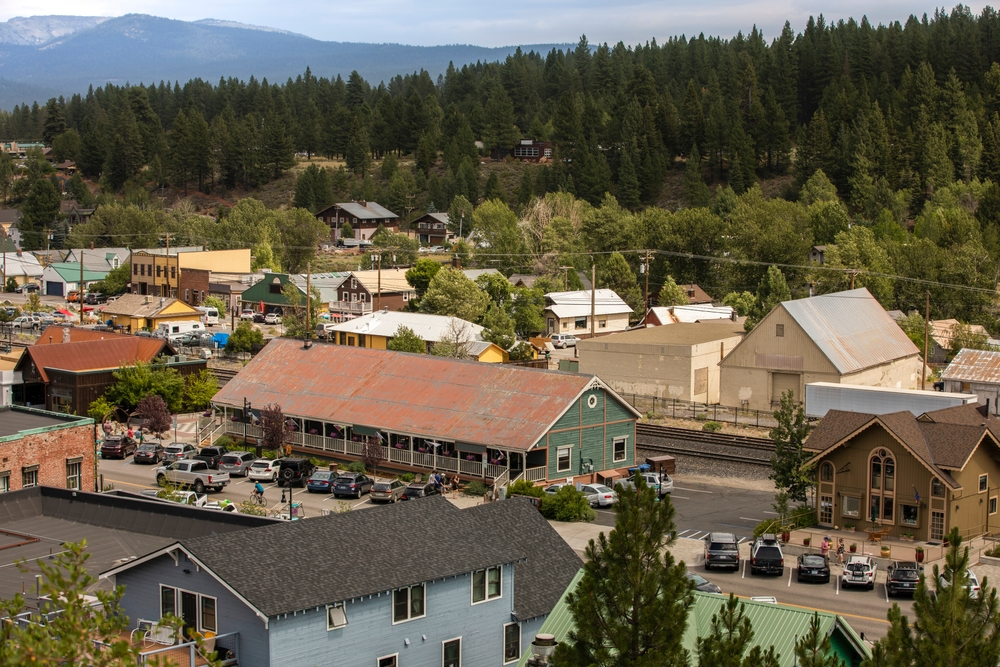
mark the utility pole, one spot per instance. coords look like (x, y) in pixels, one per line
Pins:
(566, 277)
(79, 292)
(646, 271)
(927, 336)
(378, 295)
(166, 266)
(853, 273)
(593, 292)
(308, 300)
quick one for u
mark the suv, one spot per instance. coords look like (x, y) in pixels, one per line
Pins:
(722, 550)
(295, 471)
(94, 298)
(902, 577)
(212, 456)
(236, 463)
(27, 288)
(352, 484)
(563, 340)
(419, 490)
(118, 446)
(766, 556)
(859, 571)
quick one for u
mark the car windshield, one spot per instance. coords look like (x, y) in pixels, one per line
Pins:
(210, 451)
(147, 448)
(857, 566)
(600, 488)
(322, 475)
(813, 561)
(413, 491)
(722, 546)
(697, 579)
(174, 449)
(345, 480)
(905, 574)
(382, 486)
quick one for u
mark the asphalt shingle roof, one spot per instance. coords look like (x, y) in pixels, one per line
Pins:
(443, 541)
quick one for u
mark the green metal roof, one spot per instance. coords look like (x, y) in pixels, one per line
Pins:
(262, 290)
(774, 625)
(70, 272)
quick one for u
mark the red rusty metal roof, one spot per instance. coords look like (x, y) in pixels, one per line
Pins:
(55, 333)
(418, 394)
(91, 355)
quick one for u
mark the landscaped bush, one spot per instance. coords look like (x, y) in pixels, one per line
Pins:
(475, 488)
(356, 466)
(319, 463)
(525, 488)
(701, 416)
(994, 552)
(567, 504)
(711, 427)
(232, 443)
(406, 477)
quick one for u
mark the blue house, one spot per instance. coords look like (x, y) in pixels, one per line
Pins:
(420, 583)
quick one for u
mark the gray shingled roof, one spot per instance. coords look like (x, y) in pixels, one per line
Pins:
(369, 211)
(434, 540)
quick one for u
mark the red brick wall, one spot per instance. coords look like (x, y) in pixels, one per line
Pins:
(49, 451)
(194, 282)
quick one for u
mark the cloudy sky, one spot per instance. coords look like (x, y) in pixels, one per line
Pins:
(428, 22)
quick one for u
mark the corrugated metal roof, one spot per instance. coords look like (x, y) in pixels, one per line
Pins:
(70, 272)
(943, 331)
(92, 355)
(55, 333)
(369, 211)
(852, 329)
(675, 334)
(430, 328)
(694, 313)
(24, 264)
(774, 625)
(419, 394)
(393, 280)
(577, 304)
(974, 366)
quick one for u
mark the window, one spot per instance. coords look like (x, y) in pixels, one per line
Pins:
(908, 515)
(159, 270)
(451, 653)
(343, 338)
(603, 324)
(29, 477)
(619, 449)
(511, 642)
(4, 481)
(336, 617)
(581, 323)
(173, 271)
(73, 467)
(826, 472)
(389, 661)
(187, 295)
(983, 483)
(486, 584)
(564, 458)
(406, 297)
(135, 269)
(361, 340)
(168, 601)
(937, 525)
(993, 505)
(354, 283)
(208, 614)
(852, 506)
(408, 604)
(779, 330)
(882, 482)
(362, 297)
(937, 488)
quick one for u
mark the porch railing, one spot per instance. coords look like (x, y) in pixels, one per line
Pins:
(535, 474)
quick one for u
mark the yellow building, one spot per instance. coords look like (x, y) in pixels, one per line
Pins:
(376, 329)
(145, 313)
(186, 274)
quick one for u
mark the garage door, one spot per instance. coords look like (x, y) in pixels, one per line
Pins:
(782, 382)
(54, 288)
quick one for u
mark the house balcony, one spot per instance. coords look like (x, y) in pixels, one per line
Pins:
(356, 308)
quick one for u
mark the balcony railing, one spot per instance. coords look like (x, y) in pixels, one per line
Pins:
(535, 474)
(351, 307)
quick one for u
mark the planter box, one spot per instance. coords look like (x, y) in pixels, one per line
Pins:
(848, 530)
(906, 539)
(989, 560)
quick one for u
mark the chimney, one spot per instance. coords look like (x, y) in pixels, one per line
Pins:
(163, 300)
(50, 340)
(91, 245)
(732, 315)
(364, 203)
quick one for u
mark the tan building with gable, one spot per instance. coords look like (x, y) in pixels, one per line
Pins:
(845, 337)
(913, 475)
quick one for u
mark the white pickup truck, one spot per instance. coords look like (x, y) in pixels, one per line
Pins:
(192, 474)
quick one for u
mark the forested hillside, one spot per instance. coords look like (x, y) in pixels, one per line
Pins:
(902, 119)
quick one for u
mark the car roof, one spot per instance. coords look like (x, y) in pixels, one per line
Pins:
(860, 559)
(721, 537)
(906, 565)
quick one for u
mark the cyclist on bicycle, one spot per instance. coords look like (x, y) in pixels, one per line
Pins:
(258, 489)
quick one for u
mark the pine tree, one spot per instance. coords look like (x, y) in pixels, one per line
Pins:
(696, 192)
(728, 643)
(815, 649)
(501, 130)
(692, 121)
(492, 189)
(358, 153)
(628, 182)
(525, 189)
(55, 124)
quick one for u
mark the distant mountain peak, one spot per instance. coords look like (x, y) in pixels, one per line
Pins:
(38, 30)
(220, 23)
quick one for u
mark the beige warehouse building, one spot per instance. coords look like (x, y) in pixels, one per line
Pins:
(845, 337)
(678, 361)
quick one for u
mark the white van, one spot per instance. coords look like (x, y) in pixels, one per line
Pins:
(174, 330)
(209, 315)
(325, 330)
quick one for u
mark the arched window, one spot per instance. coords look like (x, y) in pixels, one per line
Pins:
(882, 483)
(826, 472)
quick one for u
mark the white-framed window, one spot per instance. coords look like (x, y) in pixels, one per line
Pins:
(336, 616)
(580, 323)
(852, 506)
(451, 652)
(29, 477)
(406, 297)
(984, 483)
(73, 470)
(619, 449)
(362, 297)
(168, 601)
(937, 488)
(346, 296)
(486, 584)
(389, 660)
(564, 459)
(354, 283)
(4, 481)
(206, 606)
(602, 324)
(408, 604)
(206, 611)
(511, 642)
(826, 472)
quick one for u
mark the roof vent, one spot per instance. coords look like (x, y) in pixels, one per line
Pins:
(163, 300)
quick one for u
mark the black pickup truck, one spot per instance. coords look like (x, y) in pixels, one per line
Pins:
(766, 556)
(211, 455)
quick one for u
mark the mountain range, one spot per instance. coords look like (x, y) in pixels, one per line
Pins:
(45, 56)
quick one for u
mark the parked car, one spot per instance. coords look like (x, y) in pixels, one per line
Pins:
(902, 577)
(321, 480)
(386, 491)
(814, 567)
(194, 474)
(94, 298)
(553, 489)
(294, 471)
(272, 318)
(859, 571)
(420, 490)
(236, 464)
(265, 470)
(148, 452)
(722, 550)
(26, 322)
(247, 315)
(766, 556)
(972, 585)
(352, 484)
(258, 318)
(118, 447)
(212, 455)
(598, 495)
(73, 296)
(178, 451)
(27, 288)
(702, 584)
(563, 340)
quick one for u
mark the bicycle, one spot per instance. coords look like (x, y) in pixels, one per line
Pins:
(258, 499)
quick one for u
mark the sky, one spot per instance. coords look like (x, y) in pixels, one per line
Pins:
(432, 22)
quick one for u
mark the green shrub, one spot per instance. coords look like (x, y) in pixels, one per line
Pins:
(232, 443)
(653, 415)
(994, 552)
(567, 504)
(356, 466)
(701, 416)
(406, 477)
(711, 427)
(475, 488)
(319, 463)
(525, 488)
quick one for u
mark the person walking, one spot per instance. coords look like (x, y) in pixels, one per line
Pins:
(824, 548)
(840, 551)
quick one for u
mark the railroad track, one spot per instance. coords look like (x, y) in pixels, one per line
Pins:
(717, 446)
(223, 375)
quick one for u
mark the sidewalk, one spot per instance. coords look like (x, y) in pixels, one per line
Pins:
(579, 534)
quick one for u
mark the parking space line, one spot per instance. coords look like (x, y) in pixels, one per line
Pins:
(773, 513)
(672, 497)
(790, 570)
(886, 587)
(838, 585)
(684, 488)
(744, 575)
(742, 540)
(117, 481)
(684, 532)
(698, 535)
(746, 518)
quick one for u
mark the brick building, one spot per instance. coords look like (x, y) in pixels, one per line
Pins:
(39, 448)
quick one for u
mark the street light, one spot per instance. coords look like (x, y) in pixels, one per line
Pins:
(246, 418)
